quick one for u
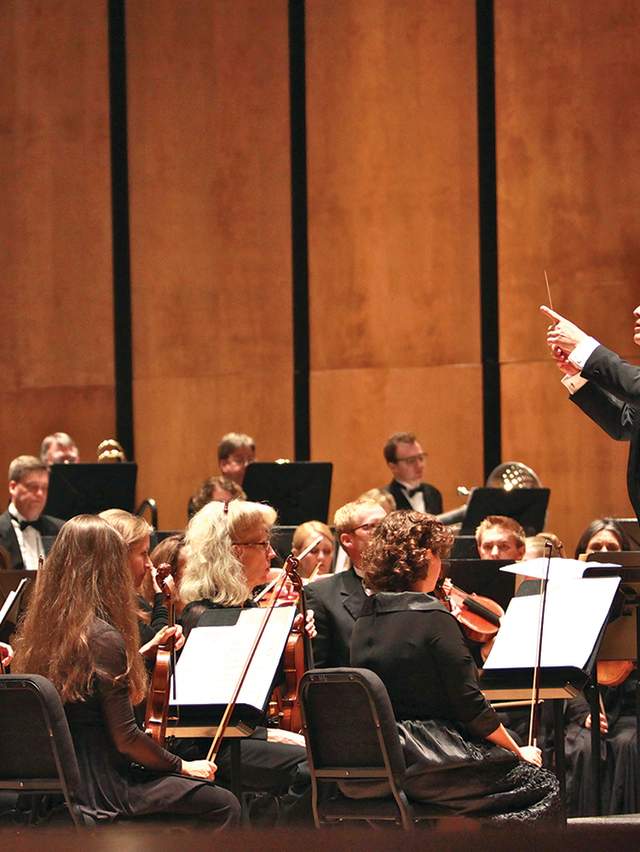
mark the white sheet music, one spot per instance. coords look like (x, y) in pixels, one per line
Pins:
(575, 613)
(560, 569)
(9, 600)
(213, 657)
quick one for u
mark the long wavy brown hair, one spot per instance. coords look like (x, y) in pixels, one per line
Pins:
(85, 577)
(397, 553)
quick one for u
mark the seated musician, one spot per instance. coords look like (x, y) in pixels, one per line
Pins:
(22, 525)
(458, 754)
(618, 766)
(214, 488)
(319, 561)
(500, 537)
(80, 632)
(59, 448)
(153, 618)
(336, 601)
(602, 535)
(171, 551)
(236, 451)
(229, 554)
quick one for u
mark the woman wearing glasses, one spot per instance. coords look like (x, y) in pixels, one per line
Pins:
(458, 755)
(229, 554)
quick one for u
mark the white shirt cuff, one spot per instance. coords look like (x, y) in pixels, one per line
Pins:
(573, 383)
(580, 354)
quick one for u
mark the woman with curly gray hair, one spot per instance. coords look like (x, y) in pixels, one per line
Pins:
(458, 754)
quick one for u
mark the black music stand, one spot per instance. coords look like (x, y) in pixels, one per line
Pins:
(76, 489)
(299, 491)
(528, 506)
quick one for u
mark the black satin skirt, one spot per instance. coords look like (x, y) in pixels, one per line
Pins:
(470, 777)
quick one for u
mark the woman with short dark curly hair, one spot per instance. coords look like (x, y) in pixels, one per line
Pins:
(458, 754)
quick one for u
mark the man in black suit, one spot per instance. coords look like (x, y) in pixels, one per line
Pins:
(336, 599)
(23, 524)
(604, 386)
(405, 458)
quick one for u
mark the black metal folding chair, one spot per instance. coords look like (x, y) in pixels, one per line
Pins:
(352, 740)
(37, 757)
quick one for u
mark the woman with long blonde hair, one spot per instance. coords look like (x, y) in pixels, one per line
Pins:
(80, 631)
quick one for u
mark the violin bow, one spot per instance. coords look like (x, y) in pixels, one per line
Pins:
(535, 688)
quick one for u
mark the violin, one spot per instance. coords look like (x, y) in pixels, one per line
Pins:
(478, 616)
(157, 709)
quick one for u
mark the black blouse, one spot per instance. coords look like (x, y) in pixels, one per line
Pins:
(417, 648)
(108, 707)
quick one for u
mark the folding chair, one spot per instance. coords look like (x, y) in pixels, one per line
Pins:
(37, 757)
(351, 736)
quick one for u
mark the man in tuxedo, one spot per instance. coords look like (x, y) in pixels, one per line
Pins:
(336, 599)
(23, 524)
(405, 459)
(604, 386)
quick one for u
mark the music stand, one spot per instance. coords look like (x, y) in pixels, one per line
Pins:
(299, 491)
(76, 489)
(528, 506)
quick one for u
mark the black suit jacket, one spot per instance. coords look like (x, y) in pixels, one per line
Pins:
(336, 603)
(432, 497)
(9, 540)
(611, 398)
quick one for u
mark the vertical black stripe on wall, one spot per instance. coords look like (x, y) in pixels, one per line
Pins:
(120, 225)
(299, 235)
(488, 226)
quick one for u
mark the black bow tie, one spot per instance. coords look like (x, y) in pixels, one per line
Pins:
(411, 491)
(37, 525)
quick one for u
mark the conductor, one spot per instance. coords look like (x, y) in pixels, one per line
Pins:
(603, 385)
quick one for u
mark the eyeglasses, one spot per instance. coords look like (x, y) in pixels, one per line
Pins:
(370, 527)
(266, 545)
(412, 459)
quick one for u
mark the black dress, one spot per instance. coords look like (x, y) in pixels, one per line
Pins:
(417, 649)
(618, 754)
(108, 743)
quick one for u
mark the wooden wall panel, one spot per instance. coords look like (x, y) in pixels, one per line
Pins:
(568, 114)
(56, 343)
(393, 235)
(210, 236)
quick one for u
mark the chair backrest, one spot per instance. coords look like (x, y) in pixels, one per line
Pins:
(36, 749)
(350, 727)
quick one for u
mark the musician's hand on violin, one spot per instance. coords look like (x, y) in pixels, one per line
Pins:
(604, 725)
(205, 769)
(447, 585)
(531, 754)
(310, 625)
(562, 334)
(165, 633)
(278, 735)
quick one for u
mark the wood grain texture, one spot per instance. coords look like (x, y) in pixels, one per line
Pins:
(56, 343)
(393, 235)
(210, 236)
(568, 111)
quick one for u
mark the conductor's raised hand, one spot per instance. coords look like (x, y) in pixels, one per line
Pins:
(562, 334)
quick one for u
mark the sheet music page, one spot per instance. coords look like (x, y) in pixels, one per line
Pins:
(574, 615)
(213, 657)
(6, 606)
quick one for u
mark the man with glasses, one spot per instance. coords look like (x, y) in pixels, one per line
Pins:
(405, 458)
(336, 599)
(23, 524)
